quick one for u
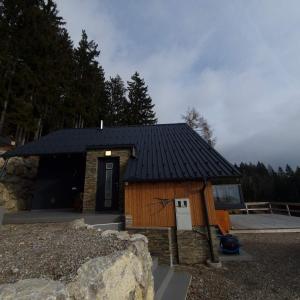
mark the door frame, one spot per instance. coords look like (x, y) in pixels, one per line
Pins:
(101, 184)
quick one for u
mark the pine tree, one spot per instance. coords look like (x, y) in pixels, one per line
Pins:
(36, 50)
(89, 93)
(140, 109)
(117, 102)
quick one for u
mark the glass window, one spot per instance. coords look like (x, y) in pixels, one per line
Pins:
(109, 166)
(108, 188)
(227, 196)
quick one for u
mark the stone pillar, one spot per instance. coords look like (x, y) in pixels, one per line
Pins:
(91, 170)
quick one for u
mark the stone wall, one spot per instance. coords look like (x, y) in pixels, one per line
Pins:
(193, 247)
(123, 274)
(162, 242)
(173, 246)
(90, 185)
(16, 187)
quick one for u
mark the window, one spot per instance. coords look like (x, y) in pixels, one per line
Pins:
(228, 196)
(108, 184)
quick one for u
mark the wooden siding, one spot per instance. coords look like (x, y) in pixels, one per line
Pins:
(223, 221)
(143, 204)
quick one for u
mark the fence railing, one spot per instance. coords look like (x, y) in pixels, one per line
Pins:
(288, 208)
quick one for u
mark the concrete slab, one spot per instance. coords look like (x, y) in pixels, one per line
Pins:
(58, 216)
(264, 223)
(243, 256)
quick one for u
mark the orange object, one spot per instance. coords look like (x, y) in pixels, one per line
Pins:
(223, 221)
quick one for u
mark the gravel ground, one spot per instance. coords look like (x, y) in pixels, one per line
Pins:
(273, 274)
(54, 251)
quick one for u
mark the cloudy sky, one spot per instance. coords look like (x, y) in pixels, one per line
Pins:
(237, 62)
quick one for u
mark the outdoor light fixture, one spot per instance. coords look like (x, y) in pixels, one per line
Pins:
(108, 153)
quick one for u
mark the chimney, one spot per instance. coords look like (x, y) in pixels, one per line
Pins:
(101, 124)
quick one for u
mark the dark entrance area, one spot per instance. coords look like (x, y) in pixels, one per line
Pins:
(60, 182)
(108, 184)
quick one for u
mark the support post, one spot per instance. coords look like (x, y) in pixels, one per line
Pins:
(270, 207)
(288, 209)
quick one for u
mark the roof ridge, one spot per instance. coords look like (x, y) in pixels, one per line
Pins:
(121, 126)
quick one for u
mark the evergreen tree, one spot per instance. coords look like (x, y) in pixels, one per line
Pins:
(117, 102)
(140, 108)
(46, 84)
(34, 50)
(90, 101)
(264, 184)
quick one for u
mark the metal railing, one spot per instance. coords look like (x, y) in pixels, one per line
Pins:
(288, 208)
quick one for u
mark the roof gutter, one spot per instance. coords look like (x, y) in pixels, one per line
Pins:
(214, 259)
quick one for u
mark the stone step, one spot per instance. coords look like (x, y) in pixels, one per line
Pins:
(178, 286)
(169, 284)
(154, 263)
(162, 277)
(159, 275)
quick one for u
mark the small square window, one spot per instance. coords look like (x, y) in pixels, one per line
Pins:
(109, 166)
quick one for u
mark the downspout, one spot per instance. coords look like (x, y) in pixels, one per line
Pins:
(214, 259)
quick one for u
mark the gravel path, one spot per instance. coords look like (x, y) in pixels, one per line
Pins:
(273, 274)
(54, 251)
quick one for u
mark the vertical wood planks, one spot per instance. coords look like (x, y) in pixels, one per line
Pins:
(152, 204)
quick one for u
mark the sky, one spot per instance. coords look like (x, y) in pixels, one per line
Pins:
(237, 62)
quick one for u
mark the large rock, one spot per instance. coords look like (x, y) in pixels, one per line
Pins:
(118, 276)
(125, 275)
(17, 185)
(34, 289)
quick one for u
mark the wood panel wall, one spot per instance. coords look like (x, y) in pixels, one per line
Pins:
(143, 204)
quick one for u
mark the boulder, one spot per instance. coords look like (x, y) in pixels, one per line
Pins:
(125, 275)
(34, 289)
(17, 185)
(109, 233)
(116, 276)
(78, 223)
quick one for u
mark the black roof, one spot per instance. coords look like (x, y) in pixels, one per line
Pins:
(163, 152)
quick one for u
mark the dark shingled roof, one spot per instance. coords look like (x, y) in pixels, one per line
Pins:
(163, 152)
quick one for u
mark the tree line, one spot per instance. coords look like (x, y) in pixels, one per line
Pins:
(46, 83)
(263, 183)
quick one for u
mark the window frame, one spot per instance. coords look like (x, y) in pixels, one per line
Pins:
(221, 206)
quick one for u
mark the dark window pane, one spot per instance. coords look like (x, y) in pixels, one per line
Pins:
(108, 188)
(109, 166)
(227, 195)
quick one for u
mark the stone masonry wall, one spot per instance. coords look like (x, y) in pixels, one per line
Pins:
(193, 245)
(16, 187)
(162, 242)
(182, 246)
(91, 170)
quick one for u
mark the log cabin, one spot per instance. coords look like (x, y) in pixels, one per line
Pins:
(166, 181)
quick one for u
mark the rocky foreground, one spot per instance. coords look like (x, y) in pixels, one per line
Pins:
(73, 261)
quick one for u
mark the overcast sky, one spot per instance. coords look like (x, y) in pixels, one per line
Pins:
(237, 62)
